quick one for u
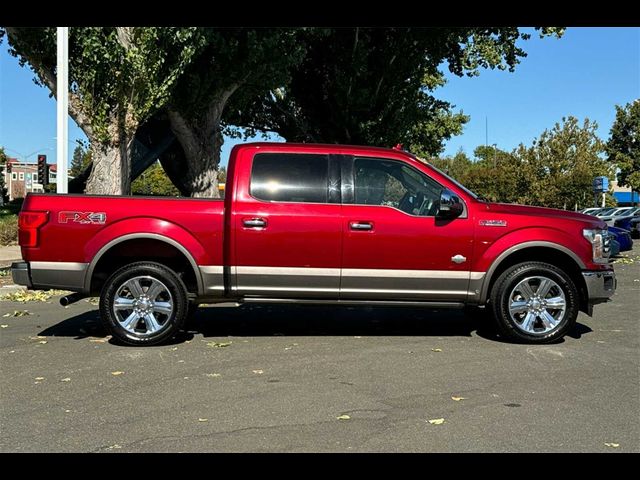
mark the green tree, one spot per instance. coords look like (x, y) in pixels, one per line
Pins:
(623, 147)
(80, 160)
(561, 164)
(4, 196)
(118, 77)
(374, 86)
(557, 170)
(154, 181)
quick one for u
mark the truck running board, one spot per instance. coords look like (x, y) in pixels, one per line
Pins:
(389, 303)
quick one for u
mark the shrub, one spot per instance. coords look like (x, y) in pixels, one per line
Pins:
(9, 230)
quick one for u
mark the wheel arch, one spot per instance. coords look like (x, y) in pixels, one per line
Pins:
(152, 237)
(540, 251)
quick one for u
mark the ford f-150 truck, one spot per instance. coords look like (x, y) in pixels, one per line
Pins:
(311, 223)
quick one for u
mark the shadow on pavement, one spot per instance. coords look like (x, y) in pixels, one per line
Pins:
(310, 320)
(81, 326)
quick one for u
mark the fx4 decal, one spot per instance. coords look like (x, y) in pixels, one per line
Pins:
(96, 218)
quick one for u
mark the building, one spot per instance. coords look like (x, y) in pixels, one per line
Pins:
(623, 195)
(24, 178)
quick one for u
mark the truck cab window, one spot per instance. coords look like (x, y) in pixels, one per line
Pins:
(393, 184)
(286, 177)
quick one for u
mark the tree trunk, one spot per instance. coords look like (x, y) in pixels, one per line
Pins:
(110, 174)
(201, 145)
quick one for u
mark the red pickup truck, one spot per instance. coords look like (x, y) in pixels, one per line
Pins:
(310, 223)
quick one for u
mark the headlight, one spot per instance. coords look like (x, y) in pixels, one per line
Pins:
(600, 244)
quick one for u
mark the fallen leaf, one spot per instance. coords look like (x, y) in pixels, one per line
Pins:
(218, 344)
(203, 419)
(214, 375)
(258, 372)
(457, 399)
(437, 421)
(174, 349)
(436, 349)
(42, 342)
(31, 296)
(66, 379)
(39, 378)
(343, 417)
(612, 445)
(17, 313)
(116, 373)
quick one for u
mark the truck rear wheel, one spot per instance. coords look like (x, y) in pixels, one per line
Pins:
(144, 303)
(534, 302)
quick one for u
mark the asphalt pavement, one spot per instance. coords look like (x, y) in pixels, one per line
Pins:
(321, 379)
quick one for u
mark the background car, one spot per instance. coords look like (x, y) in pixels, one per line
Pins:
(622, 237)
(590, 211)
(634, 227)
(614, 247)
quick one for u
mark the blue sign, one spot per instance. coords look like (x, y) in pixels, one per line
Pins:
(600, 184)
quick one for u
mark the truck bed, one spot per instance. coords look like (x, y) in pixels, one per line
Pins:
(74, 233)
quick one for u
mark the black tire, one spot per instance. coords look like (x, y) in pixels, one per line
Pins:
(500, 301)
(173, 293)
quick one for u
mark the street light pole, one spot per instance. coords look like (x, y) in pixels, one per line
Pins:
(62, 108)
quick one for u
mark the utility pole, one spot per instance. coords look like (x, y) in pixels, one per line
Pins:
(62, 88)
(486, 131)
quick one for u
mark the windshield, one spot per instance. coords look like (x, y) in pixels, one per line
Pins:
(452, 180)
(606, 211)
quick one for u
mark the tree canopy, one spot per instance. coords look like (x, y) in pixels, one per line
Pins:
(375, 86)
(118, 77)
(623, 147)
(556, 170)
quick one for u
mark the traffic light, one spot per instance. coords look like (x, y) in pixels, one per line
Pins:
(8, 167)
(43, 174)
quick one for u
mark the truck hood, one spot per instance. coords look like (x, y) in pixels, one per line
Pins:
(554, 213)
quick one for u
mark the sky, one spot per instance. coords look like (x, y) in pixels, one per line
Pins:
(584, 74)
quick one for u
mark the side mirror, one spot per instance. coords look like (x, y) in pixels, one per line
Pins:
(450, 205)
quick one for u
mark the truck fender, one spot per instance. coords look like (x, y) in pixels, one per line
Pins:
(136, 228)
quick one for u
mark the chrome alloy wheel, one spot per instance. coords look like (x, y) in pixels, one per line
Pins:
(537, 305)
(143, 306)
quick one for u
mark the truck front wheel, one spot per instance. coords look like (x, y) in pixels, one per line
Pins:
(534, 302)
(144, 303)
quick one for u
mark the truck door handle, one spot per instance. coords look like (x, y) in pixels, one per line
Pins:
(361, 225)
(254, 222)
